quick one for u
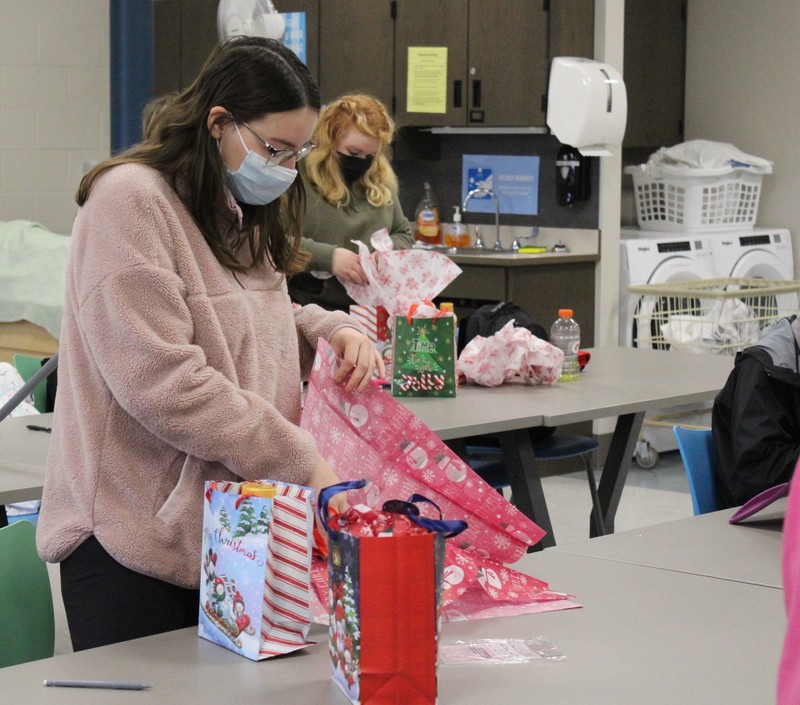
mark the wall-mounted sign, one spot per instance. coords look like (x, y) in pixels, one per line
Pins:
(295, 35)
(514, 180)
(427, 80)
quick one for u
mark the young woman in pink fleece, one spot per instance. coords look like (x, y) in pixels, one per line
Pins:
(789, 671)
(181, 355)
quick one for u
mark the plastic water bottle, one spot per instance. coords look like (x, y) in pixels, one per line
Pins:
(565, 334)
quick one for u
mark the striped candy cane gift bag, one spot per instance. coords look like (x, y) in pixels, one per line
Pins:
(255, 572)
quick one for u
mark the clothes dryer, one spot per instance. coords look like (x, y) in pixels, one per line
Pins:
(656, 260)
(761, 253)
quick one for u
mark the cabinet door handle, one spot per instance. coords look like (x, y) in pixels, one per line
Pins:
(456, 94)
(476, 94)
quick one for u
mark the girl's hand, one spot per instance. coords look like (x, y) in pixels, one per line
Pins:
(347, 267)
(323, 476)
(360, 359)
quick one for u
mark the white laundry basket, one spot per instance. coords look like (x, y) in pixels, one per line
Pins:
(720, 316)
(700, 201)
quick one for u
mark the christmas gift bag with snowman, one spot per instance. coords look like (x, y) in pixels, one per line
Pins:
(255, 574)
(385, 590)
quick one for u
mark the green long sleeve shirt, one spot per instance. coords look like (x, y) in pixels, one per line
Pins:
(327, 227)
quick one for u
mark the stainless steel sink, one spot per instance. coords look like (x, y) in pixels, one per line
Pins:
(469, 250)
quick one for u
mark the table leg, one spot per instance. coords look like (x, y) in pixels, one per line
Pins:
(526, 485)
(615, 470)
(3, 516)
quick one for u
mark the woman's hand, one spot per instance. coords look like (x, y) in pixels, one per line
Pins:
(347, 267)
(323, 476)
(360, 359)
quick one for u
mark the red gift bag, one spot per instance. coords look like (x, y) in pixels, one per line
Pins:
(384, 599)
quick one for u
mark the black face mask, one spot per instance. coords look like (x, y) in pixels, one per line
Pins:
(353, 168)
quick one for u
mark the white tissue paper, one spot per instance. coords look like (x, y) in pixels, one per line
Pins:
(729, 325)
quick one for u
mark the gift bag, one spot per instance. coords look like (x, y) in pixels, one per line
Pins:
(385, 590)
(424, 357)
(254, 581)
(369, 434)
(375, 321)
(372, 435)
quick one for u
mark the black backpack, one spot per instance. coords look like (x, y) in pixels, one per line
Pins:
(489, 319)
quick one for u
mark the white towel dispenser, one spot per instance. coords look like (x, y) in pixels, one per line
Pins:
(587, 105)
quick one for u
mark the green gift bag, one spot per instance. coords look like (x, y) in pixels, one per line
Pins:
(424, 359)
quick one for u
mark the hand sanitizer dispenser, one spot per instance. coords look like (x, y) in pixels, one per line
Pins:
(587, 105)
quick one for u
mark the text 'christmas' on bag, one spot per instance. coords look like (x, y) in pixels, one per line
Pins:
(255, 574)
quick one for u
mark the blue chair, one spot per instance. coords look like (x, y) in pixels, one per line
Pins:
(699, 455)
(487, 462)
(27, 627)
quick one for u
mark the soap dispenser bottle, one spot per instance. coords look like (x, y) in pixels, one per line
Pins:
(427, 218)
(457, 235)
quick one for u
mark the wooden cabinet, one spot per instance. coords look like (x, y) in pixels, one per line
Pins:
(654, 71)
(496, 60)
(356, 43)
(185, 33)
(571, 28)
(538, 287)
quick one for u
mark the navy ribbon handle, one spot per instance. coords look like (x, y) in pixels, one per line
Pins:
(325, 495)
(448, 527)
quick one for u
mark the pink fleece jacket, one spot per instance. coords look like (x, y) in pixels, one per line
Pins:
(789, 671)
(172, 371)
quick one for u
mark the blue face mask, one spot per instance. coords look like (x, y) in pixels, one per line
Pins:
(256, 182)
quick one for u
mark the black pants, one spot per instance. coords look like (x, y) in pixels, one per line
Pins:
(107, 603)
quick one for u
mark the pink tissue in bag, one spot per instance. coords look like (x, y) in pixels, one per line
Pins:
(511, 352)
(400, 278)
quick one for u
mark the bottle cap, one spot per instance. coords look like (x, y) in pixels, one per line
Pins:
(258, 489)
(565, 313)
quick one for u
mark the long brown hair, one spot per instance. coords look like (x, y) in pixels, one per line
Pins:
(250, 77)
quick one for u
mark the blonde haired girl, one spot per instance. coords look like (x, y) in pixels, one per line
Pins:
(351, 191)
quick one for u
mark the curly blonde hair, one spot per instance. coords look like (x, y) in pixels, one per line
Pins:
(367, 115)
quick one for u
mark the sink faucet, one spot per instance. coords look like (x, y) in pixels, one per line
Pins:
(486, 192)
(518, 241)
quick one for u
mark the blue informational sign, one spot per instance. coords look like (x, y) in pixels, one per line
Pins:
(514, 180)
(295, 35)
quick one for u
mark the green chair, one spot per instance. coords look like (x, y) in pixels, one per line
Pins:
(27, 366)
(27, 627)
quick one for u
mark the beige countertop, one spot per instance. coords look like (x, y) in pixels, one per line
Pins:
(582, 246)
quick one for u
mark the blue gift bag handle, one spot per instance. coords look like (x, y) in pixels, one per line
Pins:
(448, 527)
(325, 495)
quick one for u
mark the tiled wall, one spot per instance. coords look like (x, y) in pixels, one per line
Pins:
(54, 105)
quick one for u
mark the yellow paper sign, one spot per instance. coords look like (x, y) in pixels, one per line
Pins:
(427, 80)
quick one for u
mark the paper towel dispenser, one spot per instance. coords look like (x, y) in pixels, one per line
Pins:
(587, 105)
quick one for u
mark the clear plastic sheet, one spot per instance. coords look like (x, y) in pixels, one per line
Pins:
(498, 651)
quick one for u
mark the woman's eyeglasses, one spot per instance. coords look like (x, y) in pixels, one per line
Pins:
(279, 156)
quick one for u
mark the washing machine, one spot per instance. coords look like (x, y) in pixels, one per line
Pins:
(658, 258)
